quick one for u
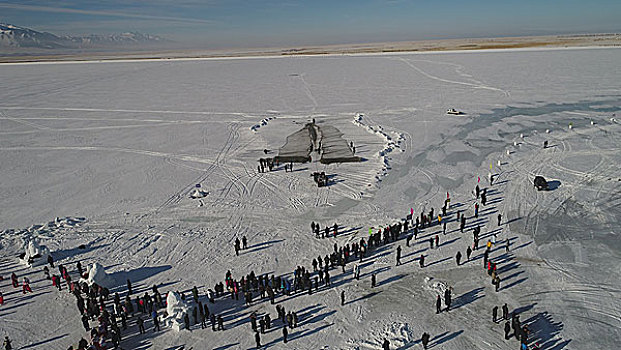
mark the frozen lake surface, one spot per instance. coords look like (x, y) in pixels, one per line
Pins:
(124, 144)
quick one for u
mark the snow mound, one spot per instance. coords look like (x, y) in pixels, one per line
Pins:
(34, 253)
(436, 286)
(97, 274)
(68, 221)
(392, 141)
(47, 229)
(176, 308)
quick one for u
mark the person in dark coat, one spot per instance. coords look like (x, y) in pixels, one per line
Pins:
(505, 312)
(257, 338)
(220, 323)
(447, 299)
(438, 305)
(494, 313)
(7, 342)
(386, 345)
(85, 322)
(285, 333)
(425, 340)
(342, 297)
(507, 330)
(140, 323)
(458, 258)
(186, 319)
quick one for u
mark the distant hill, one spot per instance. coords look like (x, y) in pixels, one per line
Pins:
(12, 36)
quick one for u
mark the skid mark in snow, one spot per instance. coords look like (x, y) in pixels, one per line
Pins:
(24, 122)
(78, 109)
(476, 86)
(187, 158)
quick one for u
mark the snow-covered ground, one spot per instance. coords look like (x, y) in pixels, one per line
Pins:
(106, 155)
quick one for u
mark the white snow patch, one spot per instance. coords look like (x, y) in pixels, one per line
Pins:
(34, 253)
(176, 308)
(97, 274)
(391, 143)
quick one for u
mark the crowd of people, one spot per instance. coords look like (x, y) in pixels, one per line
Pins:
(106, 318)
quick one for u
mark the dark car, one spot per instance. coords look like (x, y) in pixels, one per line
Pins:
(540, 183)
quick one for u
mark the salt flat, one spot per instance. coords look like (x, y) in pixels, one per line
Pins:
(123, 144)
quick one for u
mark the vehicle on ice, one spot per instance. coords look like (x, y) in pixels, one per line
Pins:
(540, 183)
(453, 111)
(320, 178)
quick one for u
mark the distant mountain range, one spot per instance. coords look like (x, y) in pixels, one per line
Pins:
(12, 36)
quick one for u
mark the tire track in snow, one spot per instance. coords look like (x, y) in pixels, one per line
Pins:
(476, 86)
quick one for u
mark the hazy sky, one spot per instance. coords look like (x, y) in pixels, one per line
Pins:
(237, 23)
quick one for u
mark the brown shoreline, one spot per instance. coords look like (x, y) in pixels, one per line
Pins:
(585, 40)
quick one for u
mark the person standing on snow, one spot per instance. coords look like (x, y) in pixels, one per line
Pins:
(257, 339)
(357, 272)
(237, 246)
(398, 255)
(285, 332)
(26, 286)
(7, 344)
(220, 323)
(156, 321)
(85, 323)
(140, 323)
(447, 299)
(186, 320)
(386, 345)
(425, 340)
(505, 312)
(342, 298)
(438, 304)
(507, 330)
